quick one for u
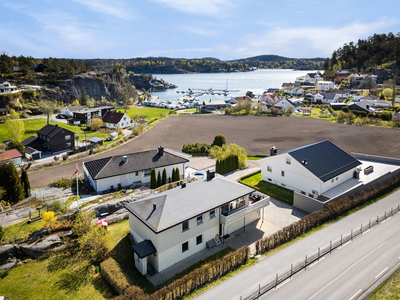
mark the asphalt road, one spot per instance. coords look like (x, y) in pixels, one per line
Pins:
(257, 134)
(349, 271)
(247, 281)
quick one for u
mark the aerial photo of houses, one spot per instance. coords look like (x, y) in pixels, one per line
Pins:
(164, 150)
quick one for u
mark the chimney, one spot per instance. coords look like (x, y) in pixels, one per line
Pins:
(154, 206)
(273, 151)
(124, 159)
(210, 174)
(161, 150)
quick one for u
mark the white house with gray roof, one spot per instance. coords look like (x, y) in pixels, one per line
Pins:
(310, 170)
(173, 225)
(122, 171)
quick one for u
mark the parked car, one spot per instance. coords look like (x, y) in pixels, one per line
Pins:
(199, 175)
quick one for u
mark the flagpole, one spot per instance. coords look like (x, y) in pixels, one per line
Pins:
(77, 188)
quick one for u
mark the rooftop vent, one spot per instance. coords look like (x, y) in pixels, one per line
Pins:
(124, 159)
(161, 150)
(304, 161)
(273, 151)
(210, 174)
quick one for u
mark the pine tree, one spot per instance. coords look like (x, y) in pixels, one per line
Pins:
(83, 97)
(164, 177)
(217, 167)
(236, 162)
(173, 175)
(153, 180)
(25, 183)
(11, 182)
(178, 176)
(159, 180)
(169, 179)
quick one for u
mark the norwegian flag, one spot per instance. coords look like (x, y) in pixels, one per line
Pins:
(76, 171)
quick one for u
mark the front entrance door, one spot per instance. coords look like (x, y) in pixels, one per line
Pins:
(220, 229)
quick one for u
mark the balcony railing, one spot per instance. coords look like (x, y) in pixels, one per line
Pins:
(242, 212)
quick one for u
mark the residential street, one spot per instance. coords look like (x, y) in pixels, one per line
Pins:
(247, 282)
(349, 271)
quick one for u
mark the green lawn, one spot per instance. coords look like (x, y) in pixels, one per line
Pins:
(150, 112)
(280, 193)
(256, 157)
(20, 231)
(33, 125)
(388, 290)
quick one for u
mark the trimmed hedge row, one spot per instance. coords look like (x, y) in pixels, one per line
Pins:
(194, 280)
(331, 211)
(112, 273)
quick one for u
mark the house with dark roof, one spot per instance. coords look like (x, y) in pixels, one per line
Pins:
(361, 106)
(173, 225)
(85, 116)
(115, 120)
(210, 106)
(134, 168)
(51, 138)
(14, 155)
(310, 170)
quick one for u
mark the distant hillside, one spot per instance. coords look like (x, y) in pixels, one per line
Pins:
(281, 62)
(378, 51)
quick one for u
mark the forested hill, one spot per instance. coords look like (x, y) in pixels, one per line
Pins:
(281, 62)
(165, 65)
(377, 51)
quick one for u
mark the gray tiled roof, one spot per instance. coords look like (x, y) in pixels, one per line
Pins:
(139, 161)
(180, 204)
(324, 159)
(74, 108)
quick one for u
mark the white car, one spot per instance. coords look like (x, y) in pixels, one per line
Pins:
(199, 175)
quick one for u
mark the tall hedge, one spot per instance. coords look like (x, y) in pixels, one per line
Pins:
(164, 177)
(153, 179)
(159, 179)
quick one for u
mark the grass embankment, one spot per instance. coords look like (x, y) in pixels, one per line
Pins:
(33, 125)
(390, 289)
(254, 180)
(20, 231)
(151, 112)
(256, 157)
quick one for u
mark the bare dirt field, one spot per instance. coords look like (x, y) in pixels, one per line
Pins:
(257, 134)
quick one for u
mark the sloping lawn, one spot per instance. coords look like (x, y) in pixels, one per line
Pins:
(20, 231)
(255, 181)
(33, 125)
(150, 112)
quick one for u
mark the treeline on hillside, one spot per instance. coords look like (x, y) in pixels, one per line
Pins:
(138, 65)
(375, 51)
(53, 68)
(280, 62)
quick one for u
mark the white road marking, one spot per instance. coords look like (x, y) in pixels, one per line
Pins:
(365, 256)
(314, 263)
(355, 295)
(283, 283)
(345, 244)
(367, 231)
(381, 273)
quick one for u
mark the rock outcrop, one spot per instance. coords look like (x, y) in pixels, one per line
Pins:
(40, 247)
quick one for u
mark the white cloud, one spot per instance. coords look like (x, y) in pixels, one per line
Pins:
(200, 31)
(306, 42)
(115, 9)
(199, 7)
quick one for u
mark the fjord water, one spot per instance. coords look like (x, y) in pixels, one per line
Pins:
(256, 81)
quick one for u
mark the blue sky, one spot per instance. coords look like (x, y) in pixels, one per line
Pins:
(225, 29)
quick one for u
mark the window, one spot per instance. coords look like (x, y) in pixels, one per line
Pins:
(67, 144)
(185, 226)
(288, 160)
(283, 173)
(283, 184)
(185, 247)
(269, 169)
(337, 178)
(199, 239)
(136, 173)
(67, 137)
(200, 220)
(303, 192)
(333, 180)
(212, 214)
(269, 179)
(147, 172)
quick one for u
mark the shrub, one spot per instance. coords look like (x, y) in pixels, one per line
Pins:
(65, 156)
(359, 122)
(56, 158)
(96, 124)
(386, 116)
(219, 140)
(48, 217)
(94, 242)
(82, 223)
(138, 130)
(55, 206)
(112, 273)
(345, 109)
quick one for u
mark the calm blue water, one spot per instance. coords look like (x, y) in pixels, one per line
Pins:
(257, 82)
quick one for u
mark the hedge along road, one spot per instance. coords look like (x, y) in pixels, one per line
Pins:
(254, 133)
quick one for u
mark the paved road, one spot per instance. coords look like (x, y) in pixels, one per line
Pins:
(246, 282)
(349, 271)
